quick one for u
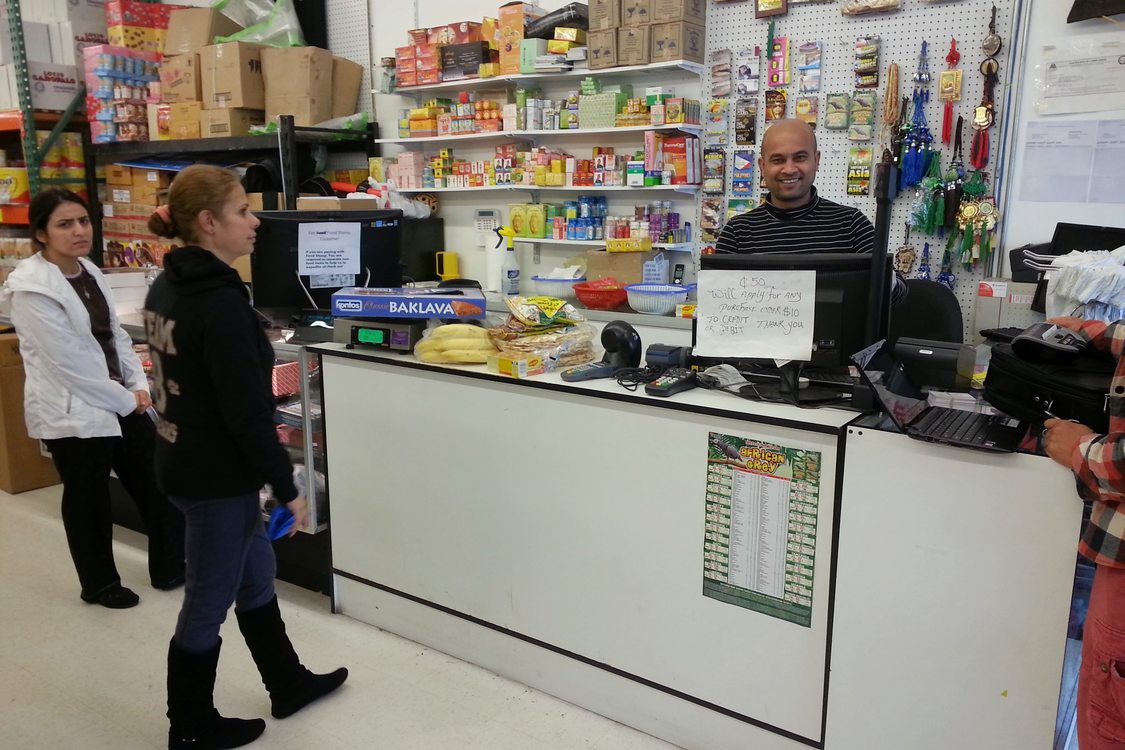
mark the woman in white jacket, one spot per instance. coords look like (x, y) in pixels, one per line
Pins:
(86, 397)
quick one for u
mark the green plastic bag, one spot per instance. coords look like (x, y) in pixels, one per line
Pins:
(273, 24)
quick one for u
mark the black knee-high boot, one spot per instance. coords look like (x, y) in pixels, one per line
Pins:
(290, 685)
(194, 722)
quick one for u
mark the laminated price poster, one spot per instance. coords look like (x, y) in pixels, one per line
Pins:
(759, 548)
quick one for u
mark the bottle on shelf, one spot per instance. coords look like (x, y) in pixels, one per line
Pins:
(510, 270)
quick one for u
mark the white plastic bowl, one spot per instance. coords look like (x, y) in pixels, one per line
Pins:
(561, 288)
(656, 299)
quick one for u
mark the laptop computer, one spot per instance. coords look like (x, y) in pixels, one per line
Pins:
(906, 405)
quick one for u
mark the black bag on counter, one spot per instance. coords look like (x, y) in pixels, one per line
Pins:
(1027, 390)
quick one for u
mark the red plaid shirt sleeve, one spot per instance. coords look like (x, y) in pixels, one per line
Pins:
(1099, 460)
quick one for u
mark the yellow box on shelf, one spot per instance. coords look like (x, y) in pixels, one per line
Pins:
(629, 245)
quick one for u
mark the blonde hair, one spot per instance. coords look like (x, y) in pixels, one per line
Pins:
(198, 188)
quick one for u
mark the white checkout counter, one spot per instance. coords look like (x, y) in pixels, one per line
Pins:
(557, 534)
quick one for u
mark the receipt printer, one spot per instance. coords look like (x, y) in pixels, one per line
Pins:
(946, 365)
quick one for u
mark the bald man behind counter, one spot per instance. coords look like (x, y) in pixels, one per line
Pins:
(794, 218)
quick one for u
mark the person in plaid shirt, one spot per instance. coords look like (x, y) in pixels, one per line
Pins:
(1098, 463)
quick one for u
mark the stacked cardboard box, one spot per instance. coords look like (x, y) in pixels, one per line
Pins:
(133, 194)
(49, 41)
(23, 465)
(638, 32)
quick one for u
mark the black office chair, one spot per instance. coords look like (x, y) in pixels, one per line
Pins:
(930, 311)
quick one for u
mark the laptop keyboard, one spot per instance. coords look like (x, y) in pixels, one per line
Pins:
(955, 425)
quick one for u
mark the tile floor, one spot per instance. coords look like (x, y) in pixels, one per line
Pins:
(79, 676)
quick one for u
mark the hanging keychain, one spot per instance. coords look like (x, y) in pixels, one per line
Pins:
(967, 219)
(985, 115)
(915, 161)
(924, 266)
(949, 89)
(906, 255)
(954, 180)
(946, 276)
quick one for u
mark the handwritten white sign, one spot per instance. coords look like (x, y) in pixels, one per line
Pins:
(328, 248)
(755, 314)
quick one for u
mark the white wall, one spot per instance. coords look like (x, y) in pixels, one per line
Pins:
(1035, 222)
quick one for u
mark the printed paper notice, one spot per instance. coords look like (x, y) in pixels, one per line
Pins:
(1074, 161)
(759, 545)
(755, 314)
(328, 248)
(1083, 74)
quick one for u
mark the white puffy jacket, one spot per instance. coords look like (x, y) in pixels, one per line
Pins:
(67, 391)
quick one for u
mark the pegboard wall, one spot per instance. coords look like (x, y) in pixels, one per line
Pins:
(732, 25)
(349, 35)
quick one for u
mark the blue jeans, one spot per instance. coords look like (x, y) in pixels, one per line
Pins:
(229, 561)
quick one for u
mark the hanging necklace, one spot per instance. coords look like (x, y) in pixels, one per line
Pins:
(984, 115)
(949, 89)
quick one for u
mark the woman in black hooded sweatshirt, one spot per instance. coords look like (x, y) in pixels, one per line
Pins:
(216, 447)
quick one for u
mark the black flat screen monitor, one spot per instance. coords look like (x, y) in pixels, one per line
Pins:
(843, 291)
(279, 290)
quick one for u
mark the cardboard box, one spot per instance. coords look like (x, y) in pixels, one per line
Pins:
(361, 302)
(604, 14)
(180, 80)
(232, 76)
(137, 25)
(462, 32)
(627, 268)
(464, 60)
(530, 50)
(346, 78)
(53, 86)
(603, 49)
(191, 29)
(225, 123)
(153, 179)
(636, 12)
(118, 174)
(14, 186)
(692, 11)
(677, 40)
(183, 120)
(633, 45)
(22, 464)
(298, 82)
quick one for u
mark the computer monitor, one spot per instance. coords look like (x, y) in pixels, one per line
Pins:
(278, 289)
(842, 309)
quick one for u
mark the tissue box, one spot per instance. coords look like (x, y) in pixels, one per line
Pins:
(365, 302)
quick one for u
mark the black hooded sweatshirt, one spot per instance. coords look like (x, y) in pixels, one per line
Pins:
(212, 384)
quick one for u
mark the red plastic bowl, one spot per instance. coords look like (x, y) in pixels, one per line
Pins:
(597, 298)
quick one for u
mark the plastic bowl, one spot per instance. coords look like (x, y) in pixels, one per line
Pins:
(600, 298)
(656, 299)
(561, 288)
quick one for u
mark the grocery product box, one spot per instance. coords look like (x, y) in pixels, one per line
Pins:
(14, 187)
(69, 38)
(298, 82)
(52, 86)
(191, 29)
(677, 40)
(232, 76)
(183, 120)
(530, 49)
(516, 365)
(603, 49)
(633, 45)
(22, 464)
(636, 12)
(346, 78)
(225, 123)
(604, 14)
(462, 32)
(513, 18)
(137, 25)
(464, 60)
(364, 302)
(180, 80)
(692, 11)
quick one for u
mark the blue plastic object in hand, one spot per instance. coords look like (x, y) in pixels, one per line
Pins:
(281, 521)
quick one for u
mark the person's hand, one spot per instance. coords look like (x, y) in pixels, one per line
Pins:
(143, 401)
(1061, 437)
(1068, 322)
(300, 510)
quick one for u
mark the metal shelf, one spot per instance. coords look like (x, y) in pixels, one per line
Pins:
(674, 68)
(268, 142)
(504, 135)
(681, 246)
(689, 189)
